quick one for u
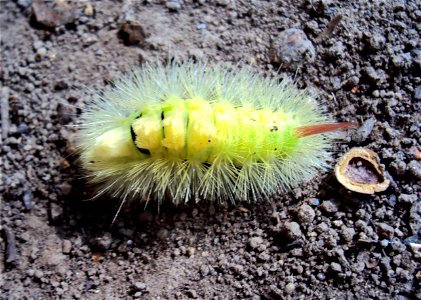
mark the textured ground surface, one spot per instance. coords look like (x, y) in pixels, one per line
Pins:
(319, 241)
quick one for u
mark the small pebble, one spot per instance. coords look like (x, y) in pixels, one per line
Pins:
(201, 25)
(376, 42)
(204, 270)
(416, 249)
(27, 200)
(89, 10)
(290, 288)
(406, 198)
(24, 3)
(38, 274)
(314, 201)
(292, 230)
(371, 74)
(103, 242)
(176, 252)
(37, 45)
(132, 34)
(329, 206)
(223, 2)
(348, 234)
(22, 128)
(336, 267)
(89, 39)
(162, 234)
(306, 214)
(414, 168)
(139, 286)
(237, 268)
(398, 167)
(66, 246)
(384, 243)
(264, 256)
(322, 227)
(417, 93)
(174, 5)
(41, 52)
(53, 14)
(385, 231)
(392, 200)
(293, 48)
(397, 245)
(190, 251)
(362, 133)
(255, 242)
(412, 239)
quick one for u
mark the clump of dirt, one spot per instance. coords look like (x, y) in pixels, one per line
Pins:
(317, 241)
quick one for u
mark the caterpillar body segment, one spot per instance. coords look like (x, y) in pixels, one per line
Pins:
(194, 132)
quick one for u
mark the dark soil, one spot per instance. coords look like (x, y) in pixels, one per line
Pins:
(319, 241)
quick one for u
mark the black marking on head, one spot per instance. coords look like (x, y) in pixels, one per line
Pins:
(274, 128)
(141, 150)
(140, 115)
(163, 129)
(133, 134)
(206, 165)
(144, 151)
(276, 149)
(209, 141)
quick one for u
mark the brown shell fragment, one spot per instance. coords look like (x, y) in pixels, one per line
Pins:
(358, 170)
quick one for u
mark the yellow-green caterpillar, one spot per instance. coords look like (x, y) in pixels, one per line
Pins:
(192, 131)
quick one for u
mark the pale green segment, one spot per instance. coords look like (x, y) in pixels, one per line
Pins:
(195, 129)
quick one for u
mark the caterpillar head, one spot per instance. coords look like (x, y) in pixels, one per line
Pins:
(113, 145)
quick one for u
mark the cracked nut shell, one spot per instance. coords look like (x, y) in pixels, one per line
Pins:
(359, 171)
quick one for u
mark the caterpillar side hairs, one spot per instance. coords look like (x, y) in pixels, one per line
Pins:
(193, 131)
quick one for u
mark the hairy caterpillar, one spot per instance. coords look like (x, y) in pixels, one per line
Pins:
(192, 131)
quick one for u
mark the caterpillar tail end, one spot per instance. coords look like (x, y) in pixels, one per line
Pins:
(309, 130)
